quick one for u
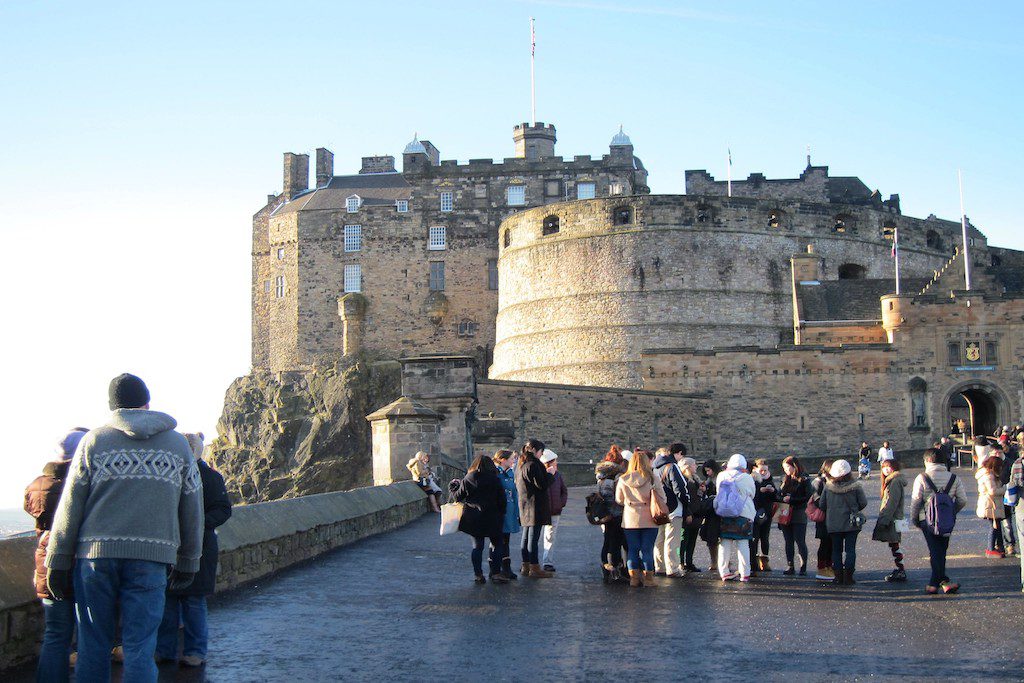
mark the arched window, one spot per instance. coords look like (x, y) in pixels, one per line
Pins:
(622, 215)
(933, 240)
(507, 239)
(774, 218)
(852, 271)
(550, 225)
(918, 389)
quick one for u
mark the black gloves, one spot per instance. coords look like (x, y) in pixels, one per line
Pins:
(180, 580)
(58, 582)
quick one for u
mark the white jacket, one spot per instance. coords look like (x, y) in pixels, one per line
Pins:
(745, 485)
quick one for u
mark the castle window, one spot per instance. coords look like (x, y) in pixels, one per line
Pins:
(842, 224)
(703, 215)
(492, 274)
(437, 240)
(353, 238)
(852, 271)
(614, 189)
(889, 232)
(352, 203)
(550, 225)
(552, 188)
(515, 195)
(953, 353)
(280, 254)
(402, 206)
(437, 276)
(279, 288)
(266, 286)
(467, 328)
(447, 201)
(773, 219)
(933, 240)
(622, 215)
(991, 353)
(586, 190)
(507, 239)
(353, 278)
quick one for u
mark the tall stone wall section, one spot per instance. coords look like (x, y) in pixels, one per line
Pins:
(580, 423)
(403, 317)
(813, 400)
(578, 304)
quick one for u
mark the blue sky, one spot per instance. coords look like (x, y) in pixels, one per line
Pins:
(138, 140)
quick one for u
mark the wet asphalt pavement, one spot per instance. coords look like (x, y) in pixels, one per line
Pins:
(402, 606)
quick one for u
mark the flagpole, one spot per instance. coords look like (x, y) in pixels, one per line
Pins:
(963, 230)
(896, 253)
(533, 82)
(729, 171)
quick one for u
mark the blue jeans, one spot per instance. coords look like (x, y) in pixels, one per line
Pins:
(60, 628)
(938, 546)
(531, 542)
(640, 544)
(844, 540)
(190, 611)
(100, 585)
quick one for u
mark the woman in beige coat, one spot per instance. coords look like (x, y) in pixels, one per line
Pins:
(990, 502)
(633, 492)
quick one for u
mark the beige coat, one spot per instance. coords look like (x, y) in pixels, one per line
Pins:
(633, 493)
(990, 495)
(419, 469)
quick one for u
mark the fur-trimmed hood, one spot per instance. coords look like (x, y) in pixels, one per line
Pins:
(842, 487)
(607, 470)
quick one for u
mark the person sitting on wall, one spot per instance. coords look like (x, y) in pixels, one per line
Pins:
(420, 468)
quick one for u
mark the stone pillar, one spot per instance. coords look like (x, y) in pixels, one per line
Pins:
(352, 309)
(447, 385)
(398, 431)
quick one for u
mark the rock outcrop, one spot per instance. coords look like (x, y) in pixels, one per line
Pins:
(283, 435)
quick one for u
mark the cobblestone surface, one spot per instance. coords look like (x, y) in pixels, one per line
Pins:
(402, 606)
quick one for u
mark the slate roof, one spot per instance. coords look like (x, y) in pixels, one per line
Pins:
(848, 190)
(850, 299)
(381, 189)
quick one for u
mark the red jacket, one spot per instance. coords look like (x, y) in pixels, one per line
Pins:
(41, 498)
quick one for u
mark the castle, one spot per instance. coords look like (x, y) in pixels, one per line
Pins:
(759, 315)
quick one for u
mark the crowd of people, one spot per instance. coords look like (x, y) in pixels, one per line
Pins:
(125, 519)
(653, 508)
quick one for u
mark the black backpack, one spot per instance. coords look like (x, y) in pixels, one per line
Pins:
(597, 508)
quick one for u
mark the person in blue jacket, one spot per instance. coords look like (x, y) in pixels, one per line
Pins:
(501, 560)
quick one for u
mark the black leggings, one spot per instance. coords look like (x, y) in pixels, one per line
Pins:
(689, 544)
(500, 553)
(761, 534)
(477, 556)
(613, 544)
(795, 534)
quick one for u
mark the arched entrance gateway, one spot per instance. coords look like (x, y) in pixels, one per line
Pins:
(981, 406)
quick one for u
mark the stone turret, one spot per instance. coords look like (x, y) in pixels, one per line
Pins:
(536, 141)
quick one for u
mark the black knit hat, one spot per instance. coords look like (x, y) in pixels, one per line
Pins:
(127, 391)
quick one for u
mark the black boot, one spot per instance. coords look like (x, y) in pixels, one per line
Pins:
(506, 569)
(789, 570)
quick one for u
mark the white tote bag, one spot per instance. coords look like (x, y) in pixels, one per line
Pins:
(902, 525)
(451, 513)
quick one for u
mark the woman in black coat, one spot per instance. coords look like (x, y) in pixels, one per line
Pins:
(188, 605)
(710, 528)
(532, 482)
(483, 513)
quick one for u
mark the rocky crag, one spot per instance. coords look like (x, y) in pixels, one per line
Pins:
(284, 435)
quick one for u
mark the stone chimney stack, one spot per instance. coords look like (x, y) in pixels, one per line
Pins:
(324, 166)
(296, 174)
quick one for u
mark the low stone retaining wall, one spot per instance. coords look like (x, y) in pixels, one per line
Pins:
(256, 542)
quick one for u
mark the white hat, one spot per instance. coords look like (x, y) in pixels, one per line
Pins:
(548, 456)
(737, 462)
(627, 455)
(840, 468)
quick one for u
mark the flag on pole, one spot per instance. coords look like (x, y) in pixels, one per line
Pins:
(895, 241)
(729, 151)
(533, 40)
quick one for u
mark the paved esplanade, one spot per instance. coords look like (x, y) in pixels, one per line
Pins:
(402, 606)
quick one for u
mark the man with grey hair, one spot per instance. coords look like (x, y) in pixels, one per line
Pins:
(132, 509)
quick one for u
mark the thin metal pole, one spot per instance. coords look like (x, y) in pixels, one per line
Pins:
(728, 165)
(533, 82)
(963, 229)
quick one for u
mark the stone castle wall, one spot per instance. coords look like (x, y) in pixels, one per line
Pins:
(577, 305)
(580, 423)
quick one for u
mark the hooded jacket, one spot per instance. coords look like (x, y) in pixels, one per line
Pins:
(133, 492)
(508, 482)
(607, 473)
(676, 493)
(990, 495)
(633, 492)
(41, 499)
(745, 485)
(922, 493)
(558, 494)
(840, 500)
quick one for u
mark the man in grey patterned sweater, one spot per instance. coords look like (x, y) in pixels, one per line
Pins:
(132, 509)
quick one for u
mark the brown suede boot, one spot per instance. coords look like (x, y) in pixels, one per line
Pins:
(525, 569)
(536, 572)
(649, 580)
(634, 578)
(762, 563)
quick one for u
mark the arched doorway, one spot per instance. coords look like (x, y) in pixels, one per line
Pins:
(980, 405)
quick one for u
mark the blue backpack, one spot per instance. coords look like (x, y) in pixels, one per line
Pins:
(729, 502)
(941, 513)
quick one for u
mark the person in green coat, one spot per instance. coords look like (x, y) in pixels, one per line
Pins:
(893, 497)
